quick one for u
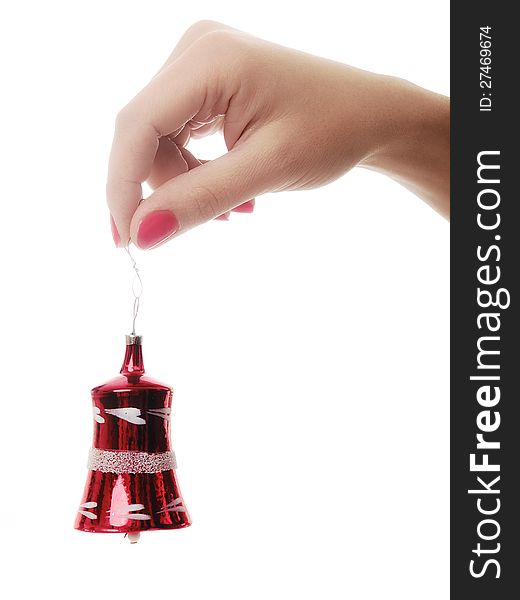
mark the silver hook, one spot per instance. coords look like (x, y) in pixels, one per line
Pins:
(137, 287)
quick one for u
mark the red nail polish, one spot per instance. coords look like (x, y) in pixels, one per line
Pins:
(223, 217)
(246, 207)
(155, 228)
(115, 232)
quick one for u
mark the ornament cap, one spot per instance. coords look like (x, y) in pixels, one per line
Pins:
(133, 366)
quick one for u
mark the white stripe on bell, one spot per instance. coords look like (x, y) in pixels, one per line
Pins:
(87, 513)
(126, 511)
(173, 506)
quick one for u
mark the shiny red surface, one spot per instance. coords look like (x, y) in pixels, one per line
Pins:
(109, 490)
(154, 491)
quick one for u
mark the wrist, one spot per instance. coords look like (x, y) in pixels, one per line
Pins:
(397, 117)
(412, 140)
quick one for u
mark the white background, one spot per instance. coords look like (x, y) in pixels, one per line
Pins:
(307, 343)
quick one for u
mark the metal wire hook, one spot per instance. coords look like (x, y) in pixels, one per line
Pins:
(137, 287)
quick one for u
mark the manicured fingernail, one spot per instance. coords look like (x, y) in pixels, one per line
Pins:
(247, 207)
(115, 232)
(156, 228)
(223, 217)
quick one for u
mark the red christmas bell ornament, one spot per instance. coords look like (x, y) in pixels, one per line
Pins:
(131, 484)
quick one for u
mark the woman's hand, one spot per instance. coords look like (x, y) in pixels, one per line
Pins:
(290, 121)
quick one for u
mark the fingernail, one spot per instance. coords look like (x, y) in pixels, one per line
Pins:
(115, 232)
(247, 207)
(156, 228)
(223, 217)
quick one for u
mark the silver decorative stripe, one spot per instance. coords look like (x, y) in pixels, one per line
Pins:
(123, 461)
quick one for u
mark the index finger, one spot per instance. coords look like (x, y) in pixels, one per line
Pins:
(173, 97)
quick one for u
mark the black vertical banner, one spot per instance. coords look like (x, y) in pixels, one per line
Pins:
(485, 271)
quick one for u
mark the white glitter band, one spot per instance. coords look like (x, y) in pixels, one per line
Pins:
(123, 461)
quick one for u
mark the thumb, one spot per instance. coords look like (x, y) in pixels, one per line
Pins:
(203, 193)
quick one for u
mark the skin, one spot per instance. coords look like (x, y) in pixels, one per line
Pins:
(291, 121)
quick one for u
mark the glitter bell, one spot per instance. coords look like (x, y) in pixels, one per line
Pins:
(131, 484)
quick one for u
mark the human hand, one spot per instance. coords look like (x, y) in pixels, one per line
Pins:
(290, 121)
